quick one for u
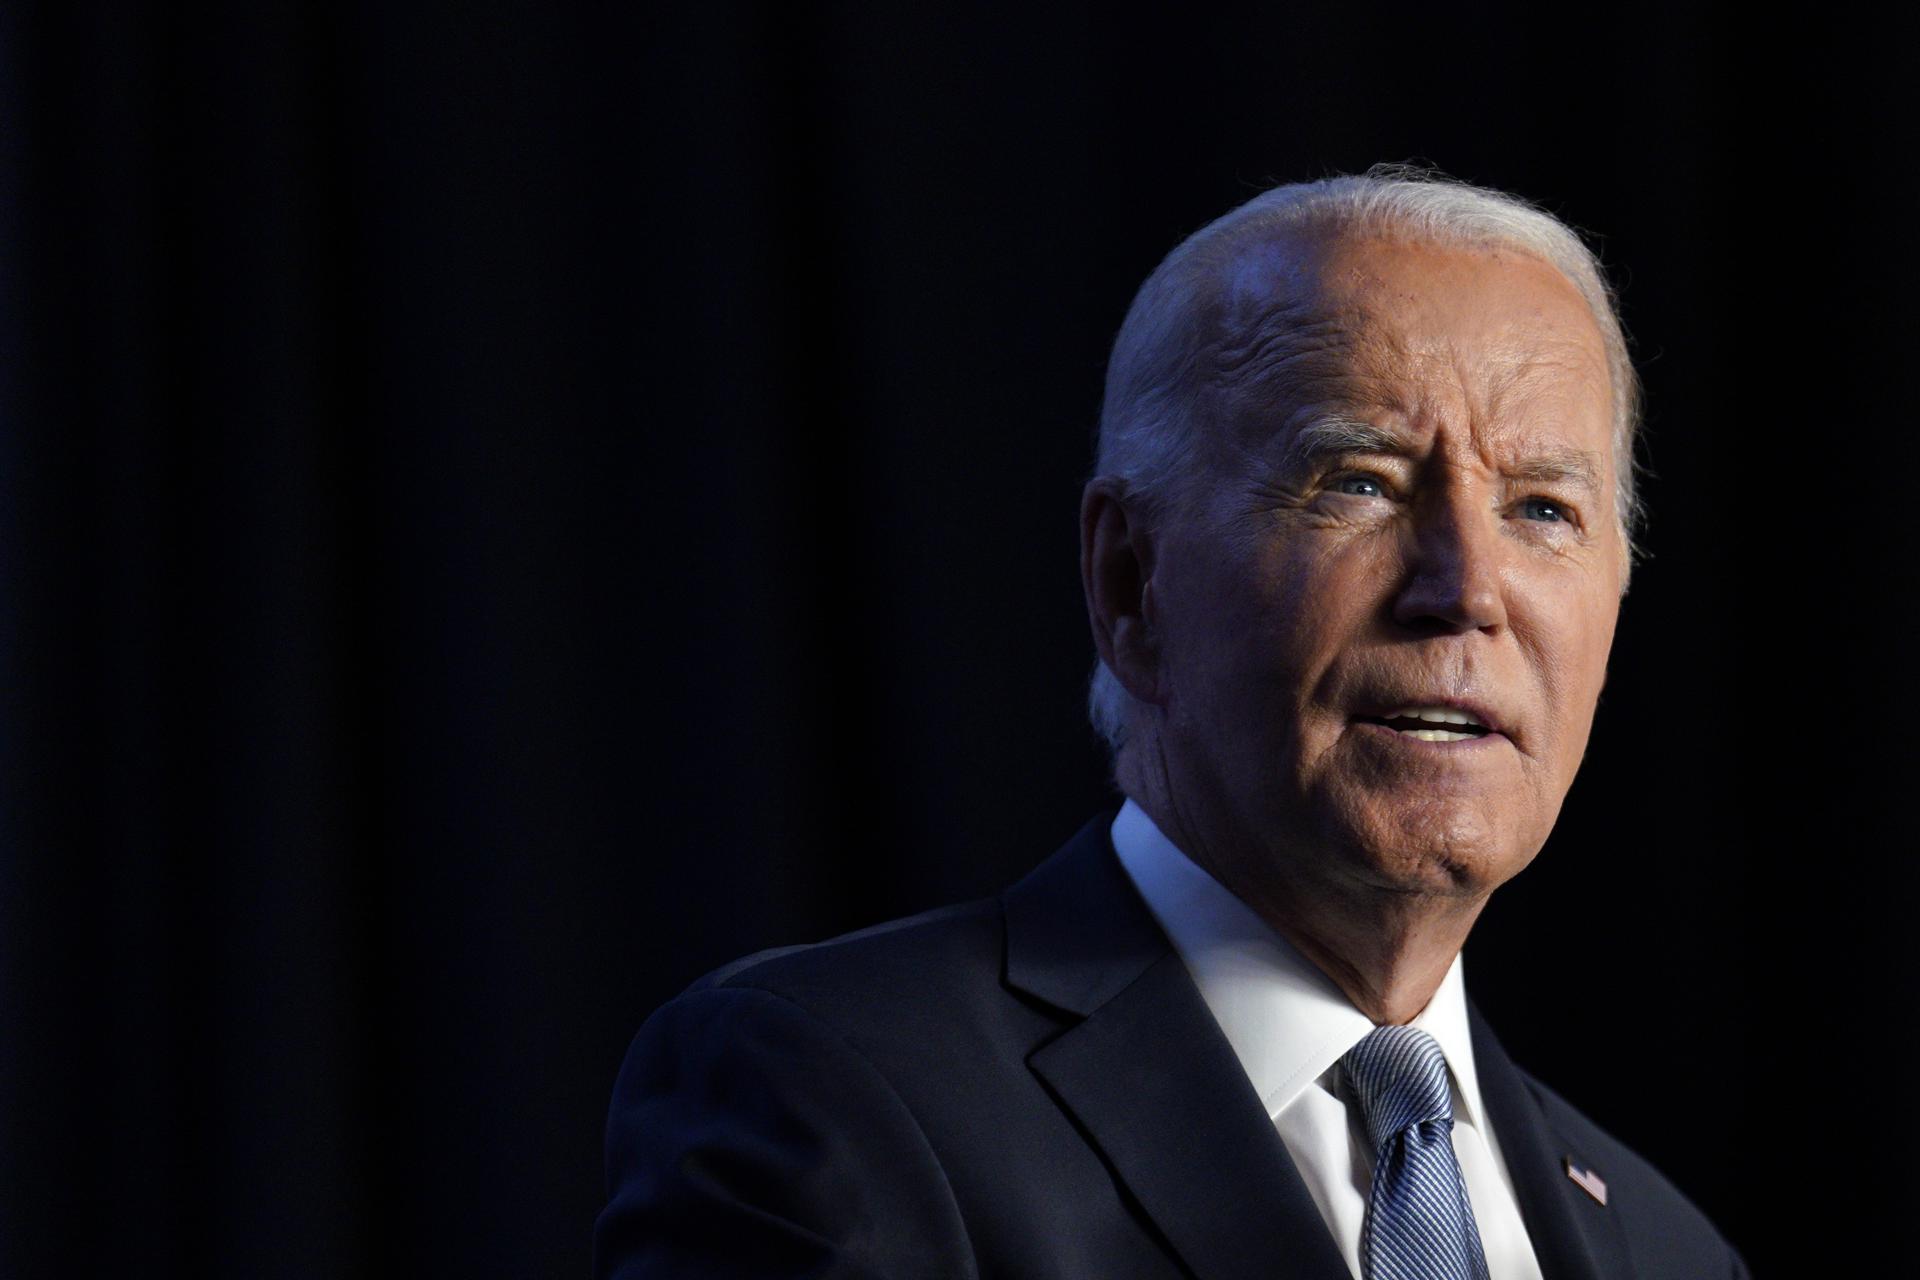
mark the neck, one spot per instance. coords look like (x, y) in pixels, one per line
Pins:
(1387, 948)
(1388, 955)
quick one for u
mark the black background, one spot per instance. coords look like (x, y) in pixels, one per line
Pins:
(506, 507)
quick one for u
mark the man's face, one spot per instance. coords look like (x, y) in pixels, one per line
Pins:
(1407, 519)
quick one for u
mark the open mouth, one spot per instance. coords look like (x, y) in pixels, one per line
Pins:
(1431, 724)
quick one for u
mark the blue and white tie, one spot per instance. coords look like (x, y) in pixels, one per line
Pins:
(1419, 1225)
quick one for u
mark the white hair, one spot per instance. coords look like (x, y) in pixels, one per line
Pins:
(1147, 433)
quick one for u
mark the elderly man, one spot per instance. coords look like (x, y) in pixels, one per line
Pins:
(1352, 560)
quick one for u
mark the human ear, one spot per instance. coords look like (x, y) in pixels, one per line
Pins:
(1116, 572)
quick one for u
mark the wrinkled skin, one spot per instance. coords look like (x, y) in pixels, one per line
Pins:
(1453, 539)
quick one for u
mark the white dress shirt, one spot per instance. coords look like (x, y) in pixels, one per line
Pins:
(1290, 1026)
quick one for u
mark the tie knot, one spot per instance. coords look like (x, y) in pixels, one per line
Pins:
(1400, 1076)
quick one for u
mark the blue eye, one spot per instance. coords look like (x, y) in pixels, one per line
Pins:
(1544, 509)
(1360, 486)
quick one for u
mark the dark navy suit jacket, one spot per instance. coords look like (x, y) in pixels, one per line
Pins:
(1029, 1087)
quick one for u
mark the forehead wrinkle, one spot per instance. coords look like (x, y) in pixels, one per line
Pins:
(1487, 383)
(1288, 334)
(1523, 395)
(1278, 361)
(1521, 357)
(1292, 343)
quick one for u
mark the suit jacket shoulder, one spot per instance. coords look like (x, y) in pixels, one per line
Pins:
(876, 983)
(749, 1138)
(867, 1107)
(1025, 1087)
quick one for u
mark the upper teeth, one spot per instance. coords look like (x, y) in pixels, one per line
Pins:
(1438, 715)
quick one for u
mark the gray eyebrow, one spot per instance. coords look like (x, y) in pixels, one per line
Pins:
(1558, 466)
(1332, 437)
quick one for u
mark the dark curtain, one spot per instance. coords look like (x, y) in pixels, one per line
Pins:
(505, 507)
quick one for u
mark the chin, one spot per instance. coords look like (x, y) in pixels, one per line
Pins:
(1443, 849)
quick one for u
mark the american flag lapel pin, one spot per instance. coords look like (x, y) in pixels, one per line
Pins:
(1586, 1179)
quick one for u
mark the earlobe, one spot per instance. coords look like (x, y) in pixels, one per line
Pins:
(1116, 566)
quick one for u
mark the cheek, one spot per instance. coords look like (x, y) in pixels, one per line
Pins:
(1214, 632)
(1315, 607)
(1571, 655)
(1325, 588)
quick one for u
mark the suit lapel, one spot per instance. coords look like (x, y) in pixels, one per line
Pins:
(1148, 1075)
(1574, 1236)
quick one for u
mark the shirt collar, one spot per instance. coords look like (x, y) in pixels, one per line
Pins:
(1286, 1020)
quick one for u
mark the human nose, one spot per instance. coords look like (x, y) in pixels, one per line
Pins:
(1454, 582)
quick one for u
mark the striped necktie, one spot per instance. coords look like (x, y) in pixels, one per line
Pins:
(1419, 1225)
